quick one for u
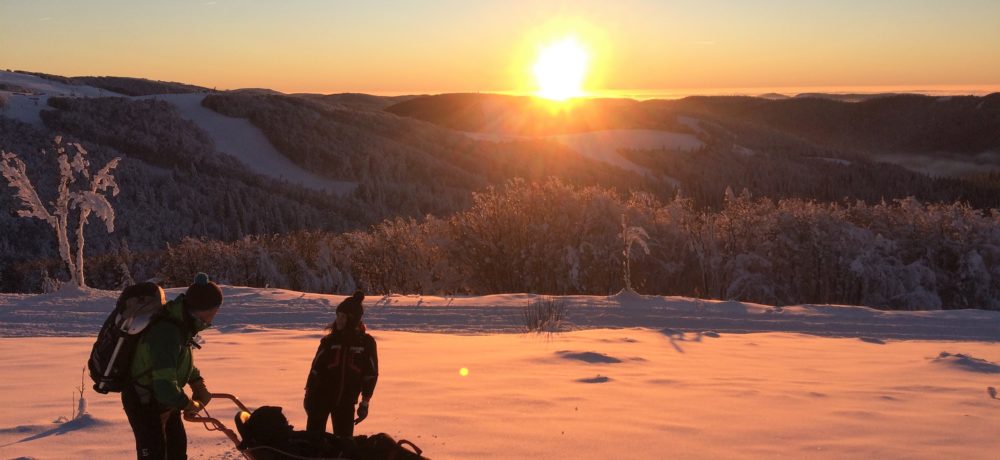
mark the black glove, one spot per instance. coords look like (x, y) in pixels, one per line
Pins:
(362, 412)
(199, 392)
(193, 407)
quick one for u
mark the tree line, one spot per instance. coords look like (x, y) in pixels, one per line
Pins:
(553, 238)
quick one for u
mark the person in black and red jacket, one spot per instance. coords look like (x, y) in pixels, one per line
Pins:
(345, 367)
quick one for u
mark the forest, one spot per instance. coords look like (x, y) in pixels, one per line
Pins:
(901, 254)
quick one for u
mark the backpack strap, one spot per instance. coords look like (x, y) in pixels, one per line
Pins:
(134, 380)
(157, 317)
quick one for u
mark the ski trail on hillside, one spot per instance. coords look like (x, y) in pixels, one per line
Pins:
(33, 95)
(605, 145)
(241, 139)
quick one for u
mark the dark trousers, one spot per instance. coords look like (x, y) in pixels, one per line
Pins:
(158, 435)
(343, 420)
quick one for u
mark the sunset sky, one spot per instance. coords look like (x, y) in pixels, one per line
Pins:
(394, 47)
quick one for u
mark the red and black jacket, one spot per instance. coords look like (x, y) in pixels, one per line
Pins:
(345, 366)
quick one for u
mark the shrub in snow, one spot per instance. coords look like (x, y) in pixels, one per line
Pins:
(544, 315)
(86, 198)
(48, 283)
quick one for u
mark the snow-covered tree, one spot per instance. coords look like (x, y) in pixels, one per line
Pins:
(86, 200)
(631, 235)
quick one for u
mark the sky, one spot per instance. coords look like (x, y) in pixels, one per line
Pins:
(397, 47)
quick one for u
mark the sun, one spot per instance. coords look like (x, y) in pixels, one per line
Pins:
(560, 69)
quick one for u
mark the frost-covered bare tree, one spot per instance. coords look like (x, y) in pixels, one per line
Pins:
(85, 199)
(631, 235)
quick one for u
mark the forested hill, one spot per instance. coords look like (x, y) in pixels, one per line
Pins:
(416, 181)
(530, 116)
(124, 85)
(891, 123)
(176, 184)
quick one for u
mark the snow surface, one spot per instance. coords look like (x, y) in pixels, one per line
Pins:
(633, 377)
(941, 165)
(604, 145)
(839, 161)
(241, 139)
(25, 106)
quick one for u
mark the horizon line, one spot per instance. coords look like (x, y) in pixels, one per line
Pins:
(951, 89)
(679, 93)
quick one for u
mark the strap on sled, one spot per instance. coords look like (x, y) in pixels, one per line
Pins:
(212, 423)
(402, 443)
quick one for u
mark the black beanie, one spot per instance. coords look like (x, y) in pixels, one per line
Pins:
(352, 305)
(203, 294)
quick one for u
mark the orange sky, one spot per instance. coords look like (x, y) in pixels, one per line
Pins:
(392, 47)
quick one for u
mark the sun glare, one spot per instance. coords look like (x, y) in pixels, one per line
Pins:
(560, 70)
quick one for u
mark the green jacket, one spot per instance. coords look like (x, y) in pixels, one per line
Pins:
(163, 362)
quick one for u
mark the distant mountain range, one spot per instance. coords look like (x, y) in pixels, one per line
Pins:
(410, 156)
(889, 123)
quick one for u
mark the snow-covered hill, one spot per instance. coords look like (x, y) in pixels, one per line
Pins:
(690, 382)
(605, 145)
(241, 139)
(27, 95)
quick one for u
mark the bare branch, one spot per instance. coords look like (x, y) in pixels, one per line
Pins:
(15, 171)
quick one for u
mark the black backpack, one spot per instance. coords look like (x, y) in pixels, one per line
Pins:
(381, 446)
(268, 435)
(110, 361)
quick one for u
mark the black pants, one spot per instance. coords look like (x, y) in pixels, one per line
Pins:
(343, 420)
(154, 438)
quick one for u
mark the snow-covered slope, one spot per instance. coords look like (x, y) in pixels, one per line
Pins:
(694, 390)
(604, 146)
(241, 139)
(51, 87)
(32, 95)
(234, 136)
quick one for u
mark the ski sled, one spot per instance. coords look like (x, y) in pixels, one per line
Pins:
(264, 434)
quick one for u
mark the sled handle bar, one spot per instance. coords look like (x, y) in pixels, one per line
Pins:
(195, 417)
(212, 423)
(232, 398)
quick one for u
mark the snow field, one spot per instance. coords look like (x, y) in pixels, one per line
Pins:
(601, 393)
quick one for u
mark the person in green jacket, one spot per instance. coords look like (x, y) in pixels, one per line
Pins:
(163, 364)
